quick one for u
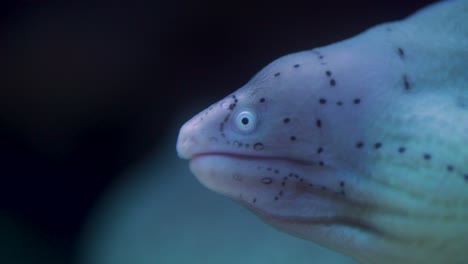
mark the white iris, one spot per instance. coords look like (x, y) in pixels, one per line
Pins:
(246, 121)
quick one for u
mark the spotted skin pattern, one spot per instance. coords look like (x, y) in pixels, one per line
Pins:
(361, 145)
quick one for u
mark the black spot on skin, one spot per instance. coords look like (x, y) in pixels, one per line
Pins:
(401, 53)
(450, 168)
(342, 183)
(377, 145)
(235, 100)
(318, 123)
(339, 103)
(322, 101)
(296, 65)
(231, 106)
(262, 100)
(359, 144)
(292, 138)
(267, 180)
(427, 156)
(321, 163)
(465, 177)
(286, 120)
(328, 73)
(301, 180)
(332, 82)
(319, 150)
(406, 82)
(321, 57)
(283, 183)
(258, 146)
(356, 101)
(254, 200)
(276, 198)
(277, 74)
(276, 171)
(401, 149)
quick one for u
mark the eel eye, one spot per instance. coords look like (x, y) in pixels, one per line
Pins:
(246, 121)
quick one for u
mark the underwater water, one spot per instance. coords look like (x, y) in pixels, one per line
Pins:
(160, 213)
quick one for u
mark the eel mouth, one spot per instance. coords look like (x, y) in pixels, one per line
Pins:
(282, 190)
(274, 185)
(232, 174)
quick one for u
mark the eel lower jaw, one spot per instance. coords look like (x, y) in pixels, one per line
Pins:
(300, 198)
(276, 187)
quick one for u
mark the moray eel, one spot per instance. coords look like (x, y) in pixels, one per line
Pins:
(360, 146)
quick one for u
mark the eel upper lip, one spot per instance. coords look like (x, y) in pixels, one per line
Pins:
(253, 157)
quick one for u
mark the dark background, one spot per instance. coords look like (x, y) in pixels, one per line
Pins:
(89, 88)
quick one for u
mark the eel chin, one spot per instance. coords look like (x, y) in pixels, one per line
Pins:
(303, 199)
(281, 190)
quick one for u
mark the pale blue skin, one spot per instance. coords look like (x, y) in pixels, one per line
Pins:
(364, 143)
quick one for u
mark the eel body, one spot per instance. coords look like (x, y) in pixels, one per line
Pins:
(360, 146)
